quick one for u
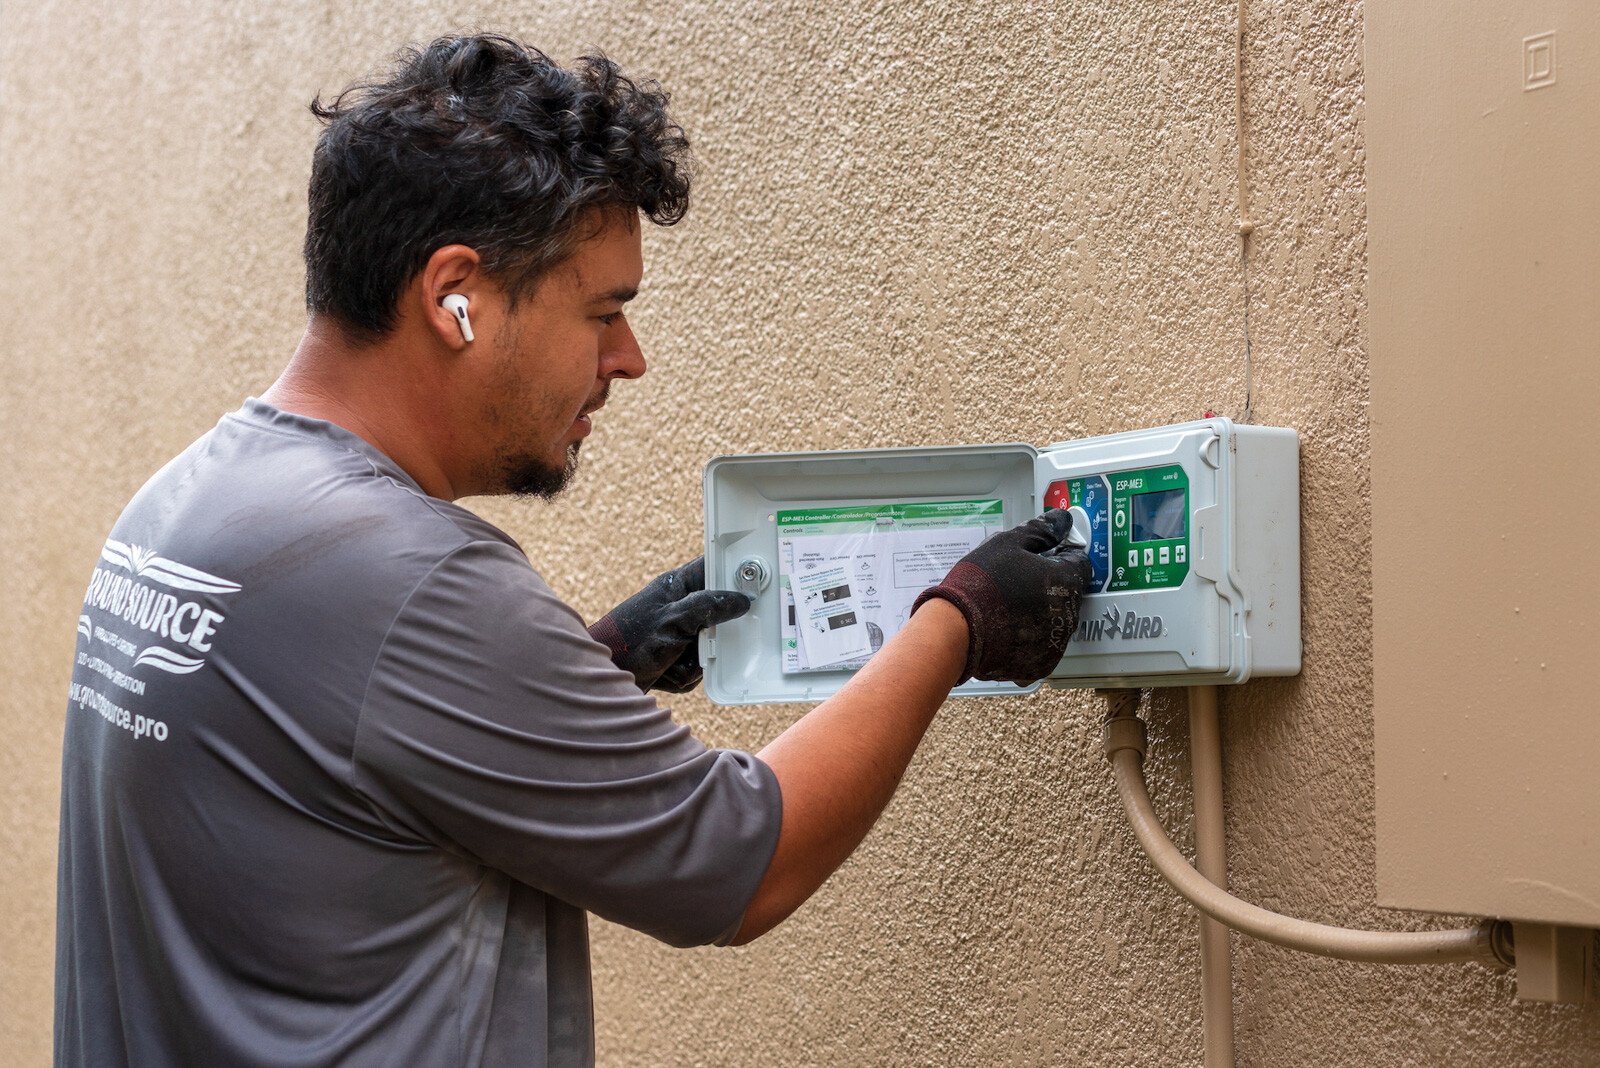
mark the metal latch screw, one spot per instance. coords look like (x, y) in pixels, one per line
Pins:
(751, 576)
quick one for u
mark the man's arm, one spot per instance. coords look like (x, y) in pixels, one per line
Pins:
(1004, 612)
(839, 765)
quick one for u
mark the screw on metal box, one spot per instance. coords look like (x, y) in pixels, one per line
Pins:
(751, 576)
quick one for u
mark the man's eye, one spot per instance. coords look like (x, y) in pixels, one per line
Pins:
(610, 318)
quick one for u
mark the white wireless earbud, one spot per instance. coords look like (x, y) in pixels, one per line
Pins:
(457, 306)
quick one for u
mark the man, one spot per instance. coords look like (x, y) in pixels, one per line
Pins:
(342, 776)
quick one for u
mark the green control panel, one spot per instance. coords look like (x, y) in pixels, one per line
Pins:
(1149, 528)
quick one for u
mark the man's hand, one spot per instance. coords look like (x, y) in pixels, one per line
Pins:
(1019, 591)
(653, 634)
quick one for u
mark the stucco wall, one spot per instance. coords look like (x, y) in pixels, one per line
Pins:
(915, 224)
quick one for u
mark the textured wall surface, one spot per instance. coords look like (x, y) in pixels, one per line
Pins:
(915, 224)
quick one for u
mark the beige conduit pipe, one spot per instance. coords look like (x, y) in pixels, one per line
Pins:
(1211, 859)
(1247, 225)
(1488, 943)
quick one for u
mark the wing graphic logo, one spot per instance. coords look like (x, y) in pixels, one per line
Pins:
(147, 565)
(166, 660)
(128, 587)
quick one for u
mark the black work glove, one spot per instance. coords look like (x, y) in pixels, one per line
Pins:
(1019, 591)
(653, 634)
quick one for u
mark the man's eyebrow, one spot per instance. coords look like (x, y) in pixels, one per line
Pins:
(621, 296)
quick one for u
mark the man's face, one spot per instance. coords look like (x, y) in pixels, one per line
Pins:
(554, 357)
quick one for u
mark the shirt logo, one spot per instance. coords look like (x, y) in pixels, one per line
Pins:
(134, 588)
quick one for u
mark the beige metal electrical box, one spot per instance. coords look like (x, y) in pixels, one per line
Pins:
(1483, 173)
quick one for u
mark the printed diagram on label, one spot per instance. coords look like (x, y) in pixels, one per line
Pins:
(828, 616)
(849, 576)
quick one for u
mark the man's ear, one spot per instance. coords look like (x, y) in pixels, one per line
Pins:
(453, 269)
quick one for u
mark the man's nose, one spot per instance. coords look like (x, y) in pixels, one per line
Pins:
(622, 357)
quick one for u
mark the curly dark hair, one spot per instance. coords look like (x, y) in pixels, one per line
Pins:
(482, 141)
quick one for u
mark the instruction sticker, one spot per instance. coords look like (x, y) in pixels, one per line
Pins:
(831, 628)
(849, 576)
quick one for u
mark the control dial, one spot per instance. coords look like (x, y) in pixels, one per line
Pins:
(1089, 499)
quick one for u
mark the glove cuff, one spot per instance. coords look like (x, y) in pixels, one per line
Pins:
(968, 595)
(607, 633)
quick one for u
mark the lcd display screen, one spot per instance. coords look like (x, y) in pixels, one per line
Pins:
(1160, 516)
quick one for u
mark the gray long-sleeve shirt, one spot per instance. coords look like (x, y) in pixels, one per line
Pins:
(342, 776)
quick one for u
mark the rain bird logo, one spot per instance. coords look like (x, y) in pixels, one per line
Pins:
(1114, 623)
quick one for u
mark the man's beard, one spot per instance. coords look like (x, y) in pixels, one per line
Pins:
(525, 476)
